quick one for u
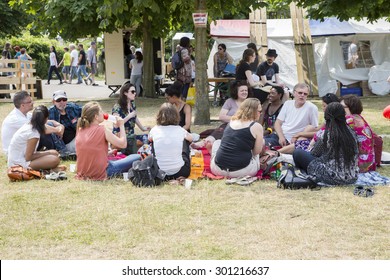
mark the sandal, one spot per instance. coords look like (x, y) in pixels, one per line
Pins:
(369, 192)
(52, 176)
(62, 175)
(359, 191)
(246, 181)
(236, 180)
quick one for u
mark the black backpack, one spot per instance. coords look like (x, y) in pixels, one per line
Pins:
(146, 173)
(177, 61)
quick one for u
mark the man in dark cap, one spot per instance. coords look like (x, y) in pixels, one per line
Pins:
(268, 71)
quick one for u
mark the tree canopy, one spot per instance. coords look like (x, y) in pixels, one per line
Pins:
(13, 20)
(344, 10)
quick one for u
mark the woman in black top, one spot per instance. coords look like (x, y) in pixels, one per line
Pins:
(237, 154)
(173, 96)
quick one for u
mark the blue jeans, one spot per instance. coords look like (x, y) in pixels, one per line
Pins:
(117, 167)
(73, 72)
(82, 69)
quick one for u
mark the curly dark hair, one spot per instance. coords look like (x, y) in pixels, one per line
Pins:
(234, 88)
(175, 89)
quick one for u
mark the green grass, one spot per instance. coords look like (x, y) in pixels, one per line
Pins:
(113, 220)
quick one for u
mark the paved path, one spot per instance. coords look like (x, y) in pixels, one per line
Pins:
(75, 91)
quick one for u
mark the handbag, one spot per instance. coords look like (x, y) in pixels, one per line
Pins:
(146, 173)
(19, 173)
(293, 178)
(191, 96)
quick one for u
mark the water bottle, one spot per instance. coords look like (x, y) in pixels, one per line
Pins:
(145, 139)
(109, 117)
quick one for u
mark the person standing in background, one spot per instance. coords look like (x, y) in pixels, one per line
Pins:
(92, 63)
(184, 73)
(82, 64)
(73, 61)
(53, 66)
(17, 50)
(66, 60)
(136, 67)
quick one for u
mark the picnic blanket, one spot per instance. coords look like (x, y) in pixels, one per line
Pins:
(372, 178)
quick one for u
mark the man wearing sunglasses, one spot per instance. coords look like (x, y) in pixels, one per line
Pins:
(67, 114)
(293, 118)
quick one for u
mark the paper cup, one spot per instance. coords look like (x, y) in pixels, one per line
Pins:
(126, 176)
(72, 167)
(188, 183)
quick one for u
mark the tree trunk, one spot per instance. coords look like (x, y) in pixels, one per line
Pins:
(202, 105)
(147, 51)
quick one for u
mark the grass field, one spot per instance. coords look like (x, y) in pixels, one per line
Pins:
(114, 220)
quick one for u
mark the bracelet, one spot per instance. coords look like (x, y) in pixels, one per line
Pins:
(269, 129)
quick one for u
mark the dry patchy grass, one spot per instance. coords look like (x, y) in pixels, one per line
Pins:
(114, 220)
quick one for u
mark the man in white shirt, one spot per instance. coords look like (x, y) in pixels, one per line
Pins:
(92, 64)
(294, 117)
(17, 118)
(74, 59)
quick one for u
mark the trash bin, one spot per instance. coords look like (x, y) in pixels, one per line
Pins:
(38, 87)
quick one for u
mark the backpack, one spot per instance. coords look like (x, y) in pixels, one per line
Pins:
(177, 61)
(146, 173)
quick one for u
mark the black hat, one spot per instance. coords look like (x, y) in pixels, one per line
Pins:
(272, 53)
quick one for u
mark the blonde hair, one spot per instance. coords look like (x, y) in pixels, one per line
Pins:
(168, 115)
(90, 110)
(248, 110)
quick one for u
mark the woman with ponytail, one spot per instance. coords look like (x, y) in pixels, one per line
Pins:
(23, 147)
(333, 158)
(92, 146)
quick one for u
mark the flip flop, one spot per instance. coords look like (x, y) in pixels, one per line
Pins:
(369, 192)
(246, 181)
(52, 176)
(359, 191)
(236, 180)
(62, 175)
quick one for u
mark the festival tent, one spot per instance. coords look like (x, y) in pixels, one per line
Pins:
(331, 43)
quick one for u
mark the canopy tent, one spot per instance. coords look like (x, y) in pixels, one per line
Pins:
(331, 39)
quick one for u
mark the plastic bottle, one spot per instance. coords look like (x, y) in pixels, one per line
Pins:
(109, 117)
(145, 139)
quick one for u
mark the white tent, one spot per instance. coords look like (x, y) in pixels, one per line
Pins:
(329, 40)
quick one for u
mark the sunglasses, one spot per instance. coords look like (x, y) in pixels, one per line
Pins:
(132, 91)
(302, 93)
(62, 99)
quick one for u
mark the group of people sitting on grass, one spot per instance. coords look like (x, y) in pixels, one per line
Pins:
(335, 151)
